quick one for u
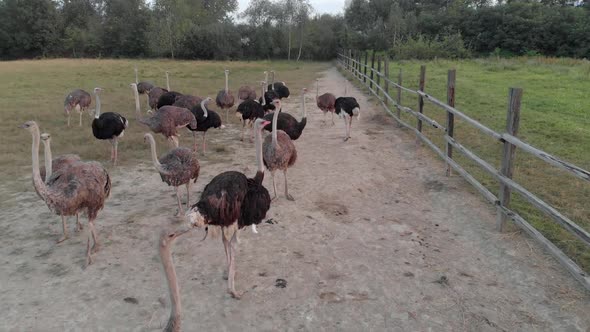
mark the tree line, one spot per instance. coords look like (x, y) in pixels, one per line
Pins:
(279, 29)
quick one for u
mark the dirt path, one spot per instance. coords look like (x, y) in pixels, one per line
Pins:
(378, 239)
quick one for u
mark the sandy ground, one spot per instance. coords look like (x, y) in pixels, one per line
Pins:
(377, 239)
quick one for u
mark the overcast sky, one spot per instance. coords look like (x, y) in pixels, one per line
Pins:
(320, 6)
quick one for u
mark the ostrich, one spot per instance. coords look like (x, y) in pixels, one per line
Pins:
(143, 87)
(168, 98)
(249, 111)
(225, 99)
(278, 87)
(177, 167)
(347, 108)
(166, 120)
(78, 99)
(230, 201)
(287, 122)
(109, 125)
(325, 102)
(81, 186)
(154, 96)
(56, 165)
(246, 93)
(205, 119)
(279, 153)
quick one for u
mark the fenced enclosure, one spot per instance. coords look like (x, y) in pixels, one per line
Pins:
(378, 81)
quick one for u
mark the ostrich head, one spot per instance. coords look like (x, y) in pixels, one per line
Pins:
(45, 137)
(29, 125)
(260, 123)
(97, 90)
(277, 103)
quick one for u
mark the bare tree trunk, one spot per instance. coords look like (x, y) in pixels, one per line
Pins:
(289, 52)
(300, 41)
(170, 37)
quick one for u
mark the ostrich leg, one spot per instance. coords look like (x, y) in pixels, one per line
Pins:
(96, 244)
(195, 141)
(289, 197)
(232, 267)
(349, 127)
(204, 143)
(226, 248)
(333, 123)
(65, 228)
(227, 115)
(179, 212)
(79, 226)
(274, 185)
(243, 129)
(69, 116)
(345, 128)
(116, 146)
(188, 195)
(80, 112)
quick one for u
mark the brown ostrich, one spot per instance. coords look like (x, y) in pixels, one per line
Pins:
(245, 93)
(143, 87)
(83, 186)
(166, 120)
(230, 201)
(153, 96)
(78, 99)
(279, 152)
(56, 165)
(177, 167)
(225, 99)
(325, 102)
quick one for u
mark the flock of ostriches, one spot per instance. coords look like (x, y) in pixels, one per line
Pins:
(70, 186)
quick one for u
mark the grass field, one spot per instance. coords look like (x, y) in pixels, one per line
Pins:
(35, 90)
(555, 117)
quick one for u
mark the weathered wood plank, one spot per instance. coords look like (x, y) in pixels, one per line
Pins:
(450, 116)
(564, 221)
(508, 151)
(421, 85)
(379, 74)
(570, 265)
(386, 81)
(399, 93)
(366, 60)
(561, 164)
(461, 115)
(372, 69)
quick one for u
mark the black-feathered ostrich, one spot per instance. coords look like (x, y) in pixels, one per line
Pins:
(225, 99)
(280, 88)
(248, 111)
(206, 119)
(144, 87)
(325, 102)
(54, 165)
(279, 153)
(187, 101)
(286, 122)
(230, 201)
(166, 120)
(108, 125)
(176, 167)
(78, 99)
(347, 108)
(81, 187)
(168, 98)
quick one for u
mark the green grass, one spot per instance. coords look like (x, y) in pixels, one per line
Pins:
(555, 117)
(35, 90)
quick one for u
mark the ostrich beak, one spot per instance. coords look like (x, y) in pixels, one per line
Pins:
(23, 126)
(265, 123)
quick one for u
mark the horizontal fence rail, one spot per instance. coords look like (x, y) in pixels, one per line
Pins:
(371, 78)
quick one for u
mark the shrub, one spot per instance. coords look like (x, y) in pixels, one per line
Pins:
(449, 47)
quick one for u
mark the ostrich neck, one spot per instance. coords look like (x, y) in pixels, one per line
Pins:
(48, 159)
(265, 80)
(37, 181)
(97, 113)
(137, 105)
(258, 144)
(263, 99)
(275, 119)
(167, 82)
(170, 271)
(157, 164)
(317, 89)
(273, 80)
(136, 78)
(203, 106)
(226, 82)
(303, 106)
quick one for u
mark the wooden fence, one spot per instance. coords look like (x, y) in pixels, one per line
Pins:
(373, 78)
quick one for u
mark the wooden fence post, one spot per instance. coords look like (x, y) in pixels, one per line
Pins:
(366, 61)
(358, 64)
(372, 66)
(512, 122)
(399, 97)
(386, 73)
(420, 98)
(350, 59)
(378, 74)
(450, 116)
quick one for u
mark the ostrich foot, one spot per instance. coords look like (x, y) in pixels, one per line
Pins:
(88, 255)
(63, 238)
(235, 294)
(289, 197)
(79, 226)
(95, 248)
(178, 213)
(346, 139)
(274, 198)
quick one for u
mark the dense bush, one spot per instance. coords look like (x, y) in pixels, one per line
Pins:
(449, 47)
